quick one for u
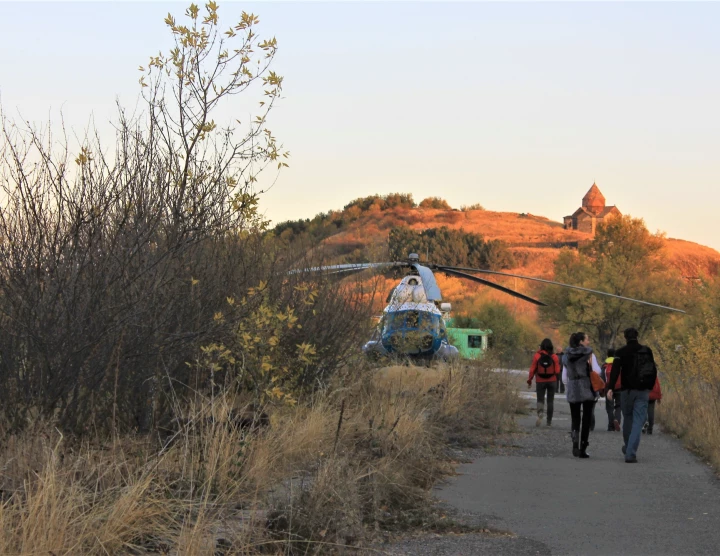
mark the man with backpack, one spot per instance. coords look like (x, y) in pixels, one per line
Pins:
(634, 364)
(545, 368)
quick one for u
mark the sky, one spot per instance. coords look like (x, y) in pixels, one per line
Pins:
(517, 106)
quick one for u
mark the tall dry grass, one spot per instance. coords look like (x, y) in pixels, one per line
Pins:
(690, 378)
(326, 474)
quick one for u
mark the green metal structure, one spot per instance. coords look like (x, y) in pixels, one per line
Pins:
(472, 343)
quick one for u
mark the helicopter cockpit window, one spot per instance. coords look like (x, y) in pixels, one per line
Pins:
(475, 341)
(413, 319)
(388, 321)
(431, 323)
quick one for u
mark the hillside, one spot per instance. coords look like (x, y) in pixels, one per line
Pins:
(360, 233)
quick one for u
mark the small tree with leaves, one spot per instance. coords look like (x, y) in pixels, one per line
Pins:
(624, 259)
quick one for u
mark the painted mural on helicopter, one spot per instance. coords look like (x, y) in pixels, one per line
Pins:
(413, 323)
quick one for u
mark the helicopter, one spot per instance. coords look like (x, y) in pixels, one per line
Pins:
(413, 323)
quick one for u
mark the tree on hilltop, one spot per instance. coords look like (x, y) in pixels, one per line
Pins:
(624, 259)
(435, 203)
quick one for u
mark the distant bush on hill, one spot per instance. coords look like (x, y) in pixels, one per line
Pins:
(383, 202)
(474, 206)
(435, 203)
(451, 247)
(326, 224)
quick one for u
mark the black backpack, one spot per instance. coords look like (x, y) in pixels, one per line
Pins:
(544, 364)
(644, 371)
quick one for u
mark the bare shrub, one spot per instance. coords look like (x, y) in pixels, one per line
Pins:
(115, 264)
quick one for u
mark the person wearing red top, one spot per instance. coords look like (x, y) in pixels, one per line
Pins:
(612, 407)
(544, 368)
(655, 396)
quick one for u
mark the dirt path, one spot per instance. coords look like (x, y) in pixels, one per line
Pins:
(553, 503)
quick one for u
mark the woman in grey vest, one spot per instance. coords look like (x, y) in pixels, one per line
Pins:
(580, 395)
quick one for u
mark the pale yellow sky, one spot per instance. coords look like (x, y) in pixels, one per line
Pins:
(519, 107)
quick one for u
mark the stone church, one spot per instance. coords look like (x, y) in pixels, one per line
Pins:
(592, 212)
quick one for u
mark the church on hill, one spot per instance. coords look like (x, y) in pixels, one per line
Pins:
(592, 212)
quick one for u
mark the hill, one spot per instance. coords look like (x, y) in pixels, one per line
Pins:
(359, 232)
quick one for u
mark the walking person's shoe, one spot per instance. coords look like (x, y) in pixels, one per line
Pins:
(538, 421)
(616, 424)
(649, 431)
(611, 428)
(576, 447)
(624, 448)
(583, 450)
(631, 460)
(645, 427)
(548, 424)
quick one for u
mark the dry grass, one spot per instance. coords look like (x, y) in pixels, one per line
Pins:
(690, 407)
(694, 416)
(324, 475)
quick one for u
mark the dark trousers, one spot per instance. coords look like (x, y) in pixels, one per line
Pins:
(651, 414)
(614, 411)
(541, 388)
(587, 411)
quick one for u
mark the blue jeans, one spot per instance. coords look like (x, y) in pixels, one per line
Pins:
(634, 409)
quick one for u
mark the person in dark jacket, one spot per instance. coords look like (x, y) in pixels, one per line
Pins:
(634, 394)
(580, 395)
(544, 384)
(612, 407)
(560, 387)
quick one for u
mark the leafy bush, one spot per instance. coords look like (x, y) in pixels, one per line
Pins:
(450, 247)
(383, 202)
(513, 341)
(435, 203)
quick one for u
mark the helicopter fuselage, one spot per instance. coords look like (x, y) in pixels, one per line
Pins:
(411, 325)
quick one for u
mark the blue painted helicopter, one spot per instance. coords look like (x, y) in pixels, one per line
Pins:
(413, 322)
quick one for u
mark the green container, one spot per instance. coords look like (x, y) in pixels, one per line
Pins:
(472, 343)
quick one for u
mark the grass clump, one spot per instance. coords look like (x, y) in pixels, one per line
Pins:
(330, 472)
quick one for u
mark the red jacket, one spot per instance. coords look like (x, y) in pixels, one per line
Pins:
(656, 393)
(608, 372)
(555, 369)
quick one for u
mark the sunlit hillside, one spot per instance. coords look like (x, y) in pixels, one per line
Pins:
(360, 231)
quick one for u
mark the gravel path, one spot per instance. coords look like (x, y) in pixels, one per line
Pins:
(553, 503)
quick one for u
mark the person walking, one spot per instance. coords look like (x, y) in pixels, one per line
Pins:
(594, 366)
(634, 364)
(612, 406)
(580, 396)
(545, 368)
(560, 387)
(655, 396)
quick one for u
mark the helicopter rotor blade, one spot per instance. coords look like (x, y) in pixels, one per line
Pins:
(519, 295)
(580, 288)
(339, 268)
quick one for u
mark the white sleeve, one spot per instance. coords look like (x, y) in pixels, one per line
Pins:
(595, 366)
(564, 375)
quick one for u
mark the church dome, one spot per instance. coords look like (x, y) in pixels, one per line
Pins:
(594, 201)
